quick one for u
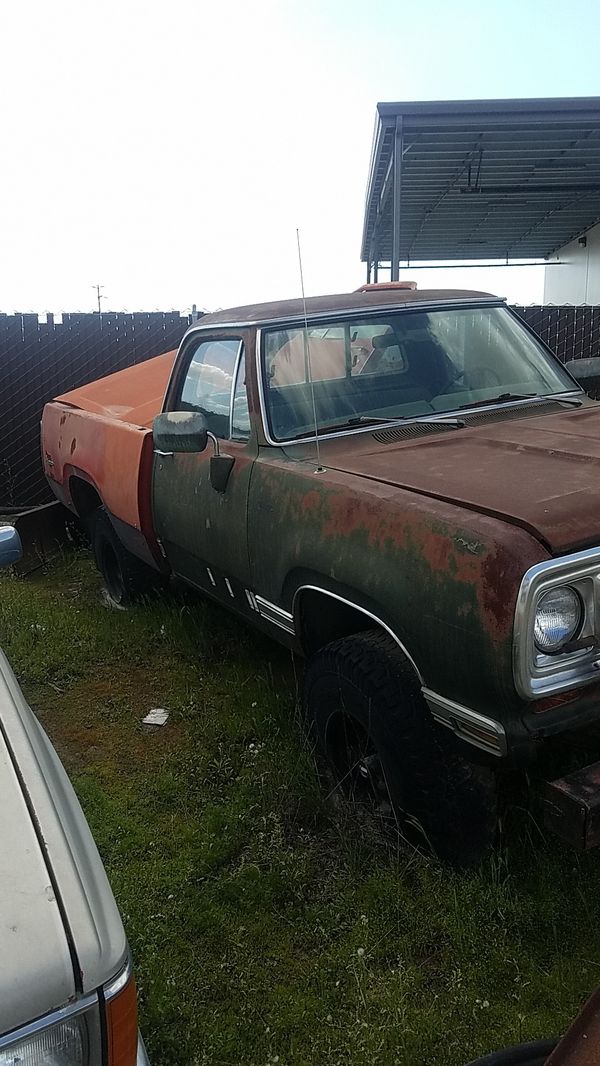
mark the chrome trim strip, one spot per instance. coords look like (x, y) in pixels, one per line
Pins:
(368, 614)
(70, 1010)
(236, 369)
(229, 588)
(211, 577)
(251, 600)
(142, 1056)
(468, 724)
(272, 613)
(118, 983)
(346, 312)
(557, 673)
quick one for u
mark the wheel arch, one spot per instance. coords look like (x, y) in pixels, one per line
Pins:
(322, 615)
(84, 495)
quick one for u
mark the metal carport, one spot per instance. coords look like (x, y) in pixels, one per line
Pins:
(480, 179)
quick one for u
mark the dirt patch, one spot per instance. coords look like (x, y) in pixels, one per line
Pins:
(98, 722)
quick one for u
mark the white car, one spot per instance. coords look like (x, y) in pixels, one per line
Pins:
(67, 994)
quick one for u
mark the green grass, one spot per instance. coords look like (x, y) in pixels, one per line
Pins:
(263, 928)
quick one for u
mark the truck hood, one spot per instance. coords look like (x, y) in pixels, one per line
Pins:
(540, 472)
(37, 974)
(52, 882)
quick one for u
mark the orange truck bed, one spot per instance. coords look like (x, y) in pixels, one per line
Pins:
(100, 434)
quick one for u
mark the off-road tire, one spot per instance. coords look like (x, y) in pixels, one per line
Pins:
(126, 578)
(368, 680)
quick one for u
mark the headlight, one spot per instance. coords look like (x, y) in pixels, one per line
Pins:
(558, 618)
(72, 1035)
(63, 1044)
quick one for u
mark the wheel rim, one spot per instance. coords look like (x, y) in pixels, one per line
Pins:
(111, 570)
(357, 768)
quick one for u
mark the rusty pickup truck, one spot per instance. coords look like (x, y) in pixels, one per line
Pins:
(403, 486)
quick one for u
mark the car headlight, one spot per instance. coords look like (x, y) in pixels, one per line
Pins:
(72, 1035)
(558, 618)
(62, 1044)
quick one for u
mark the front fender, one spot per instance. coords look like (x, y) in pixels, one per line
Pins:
(443, 579)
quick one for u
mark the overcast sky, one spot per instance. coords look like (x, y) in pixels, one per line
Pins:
(169, 150)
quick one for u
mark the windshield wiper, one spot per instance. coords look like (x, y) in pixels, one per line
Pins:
(503, 397)
(572, 401)
(365, 420)
(454, 423)
(506, 397)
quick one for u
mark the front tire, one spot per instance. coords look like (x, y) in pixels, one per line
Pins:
(385, 754)
(126, 578)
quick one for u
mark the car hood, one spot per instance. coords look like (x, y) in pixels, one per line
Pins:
(60, 930)
(540, 472)
(37, 973)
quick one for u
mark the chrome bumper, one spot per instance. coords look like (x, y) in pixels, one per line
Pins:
(142, 1058)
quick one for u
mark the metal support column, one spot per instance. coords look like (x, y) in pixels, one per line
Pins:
(396, 187)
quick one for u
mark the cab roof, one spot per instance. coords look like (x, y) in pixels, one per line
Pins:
(374, 299)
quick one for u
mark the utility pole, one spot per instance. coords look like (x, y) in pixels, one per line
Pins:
(99, 296)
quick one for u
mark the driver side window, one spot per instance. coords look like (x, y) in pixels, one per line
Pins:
(207, 385)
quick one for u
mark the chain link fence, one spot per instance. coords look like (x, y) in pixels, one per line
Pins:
(40, 359)
(571, 332)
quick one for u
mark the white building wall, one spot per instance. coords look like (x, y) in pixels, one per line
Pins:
(578, 281)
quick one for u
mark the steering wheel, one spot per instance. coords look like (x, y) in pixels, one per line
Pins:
(481, 377)
(478, 377)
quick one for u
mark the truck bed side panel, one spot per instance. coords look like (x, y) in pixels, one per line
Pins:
(107, 453)
(101, 433)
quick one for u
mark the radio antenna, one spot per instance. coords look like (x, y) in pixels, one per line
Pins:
(307, 361)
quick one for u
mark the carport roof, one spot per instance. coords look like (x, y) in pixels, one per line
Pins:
(481, 179)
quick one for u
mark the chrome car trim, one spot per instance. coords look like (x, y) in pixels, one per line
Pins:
(272, 613)
(538, 675)
(119, 982)
(477, 729)
(142, 1056)
(362, 610)
(47, 1021)
(234, 378)
(251, 600)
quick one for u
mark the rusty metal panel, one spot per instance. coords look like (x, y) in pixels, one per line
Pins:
(571, 807)
(556, 496)
(580, 1046)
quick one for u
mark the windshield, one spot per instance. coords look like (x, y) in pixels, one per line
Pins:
(405, 364)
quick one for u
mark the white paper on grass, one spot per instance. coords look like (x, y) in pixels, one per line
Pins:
(157, 716)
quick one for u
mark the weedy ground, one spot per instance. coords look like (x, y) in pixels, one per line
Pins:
(264, 928)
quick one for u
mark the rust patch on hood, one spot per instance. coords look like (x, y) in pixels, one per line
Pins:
(541, 473)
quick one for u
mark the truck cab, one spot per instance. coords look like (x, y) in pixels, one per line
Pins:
(402, 487)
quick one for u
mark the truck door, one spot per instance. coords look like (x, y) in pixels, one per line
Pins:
(203, 528)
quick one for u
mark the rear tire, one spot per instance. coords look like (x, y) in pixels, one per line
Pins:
(126, 578)
(384, 752)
